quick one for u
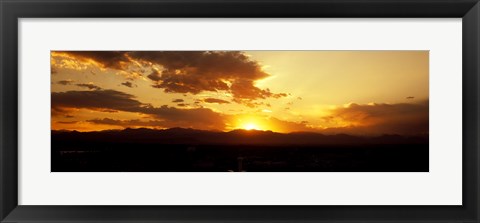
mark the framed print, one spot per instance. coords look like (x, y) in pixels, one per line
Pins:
(239, 111)
(213, 116)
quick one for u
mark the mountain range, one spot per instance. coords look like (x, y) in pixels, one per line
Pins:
(234, 137)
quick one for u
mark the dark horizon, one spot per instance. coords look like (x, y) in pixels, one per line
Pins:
(190, 150)
(178, 135)
(236, 129)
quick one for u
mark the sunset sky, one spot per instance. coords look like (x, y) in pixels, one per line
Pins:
(352, 92)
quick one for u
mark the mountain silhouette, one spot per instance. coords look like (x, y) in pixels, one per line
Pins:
(234, 137)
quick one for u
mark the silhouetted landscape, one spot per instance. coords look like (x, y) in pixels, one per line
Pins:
(190, 150)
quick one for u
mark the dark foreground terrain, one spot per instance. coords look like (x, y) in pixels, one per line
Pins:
(187, 150)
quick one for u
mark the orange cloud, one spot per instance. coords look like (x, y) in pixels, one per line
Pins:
(215, 100)
(105, 59)
(65, 82)
(190, 71)
(111, 101)
(95, 100)
(128, 84)
(90, 86)
(128, 123)
(374, 119)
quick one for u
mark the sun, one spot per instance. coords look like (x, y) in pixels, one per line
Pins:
(251, 126)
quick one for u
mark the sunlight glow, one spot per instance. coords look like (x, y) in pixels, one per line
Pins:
(251, 126)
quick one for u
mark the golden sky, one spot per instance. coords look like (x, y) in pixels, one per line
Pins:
(352, 92)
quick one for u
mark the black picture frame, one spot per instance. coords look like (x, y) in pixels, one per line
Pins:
(12, 10)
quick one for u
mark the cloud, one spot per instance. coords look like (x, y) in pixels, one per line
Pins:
(289, 126)
(155, 75)
(53, 69)
(198, 71)
(66, 61)
(112, 101)
(100, 100)
(368, 119)
(199, 118)
(127, 123)
(128, 84)
(90, 86)
(67, 122)
(105, 59)
(357, 119)
(65, 82)
(191, 71)
(215, 100)
(244, 91)
(177, 100)
(213, 64)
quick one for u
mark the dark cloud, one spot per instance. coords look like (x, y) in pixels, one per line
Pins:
(89, 86)
(103, 100)
(186, 83)
(127, 123)
(216, 100)
(67, 122)
(192, 71)
(244, 90)
(200, 118)
(211, 64)
(111, 101)
(177, 100)
(402, 118)
(106, 59)
(128, 84)
(65, 82)
(155, 75)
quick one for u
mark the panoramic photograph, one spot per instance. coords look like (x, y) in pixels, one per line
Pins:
(240, 111)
